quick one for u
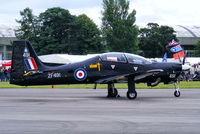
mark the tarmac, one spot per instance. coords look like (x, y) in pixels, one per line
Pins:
(88, 111)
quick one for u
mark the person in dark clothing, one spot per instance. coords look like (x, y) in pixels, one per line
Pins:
(2, 77)
(6, 74)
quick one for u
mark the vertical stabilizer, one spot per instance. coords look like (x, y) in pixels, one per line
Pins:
(24, 61)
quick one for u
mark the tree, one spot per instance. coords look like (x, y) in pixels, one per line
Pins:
(28, 25)
(87, 36)
(154, 38)
(56, 31)
(197, 49)
(118, 27)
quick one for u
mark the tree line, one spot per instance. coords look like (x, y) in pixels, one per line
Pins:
(57, 31)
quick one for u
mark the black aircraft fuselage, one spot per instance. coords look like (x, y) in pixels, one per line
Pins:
(107, 68)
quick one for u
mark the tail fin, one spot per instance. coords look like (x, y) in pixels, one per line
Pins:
(24, 61)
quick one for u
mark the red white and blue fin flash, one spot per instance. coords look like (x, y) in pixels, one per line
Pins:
(80, 74)
(31, 64)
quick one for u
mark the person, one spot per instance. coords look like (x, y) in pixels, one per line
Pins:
(182, 76)
(187, 76)
(2, 77)
(0, 74)
(9, 71)
(5, 71)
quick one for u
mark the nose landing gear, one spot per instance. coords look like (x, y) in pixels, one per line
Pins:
(177, 92)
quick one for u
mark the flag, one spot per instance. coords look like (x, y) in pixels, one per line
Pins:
(179, 55)
(30, 64)
(172, 43)
(164, 58)
(176, 49)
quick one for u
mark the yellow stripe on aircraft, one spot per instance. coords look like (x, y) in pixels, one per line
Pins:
(98, 65)
(27, 73)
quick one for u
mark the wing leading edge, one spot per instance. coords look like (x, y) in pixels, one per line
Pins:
(123, 77)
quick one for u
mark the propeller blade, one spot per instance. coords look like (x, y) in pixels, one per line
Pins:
(184, 57)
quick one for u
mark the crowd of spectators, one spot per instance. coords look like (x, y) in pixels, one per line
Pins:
(193, 74)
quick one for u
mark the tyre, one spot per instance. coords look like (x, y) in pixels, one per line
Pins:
(131, 95)
(177, 93)
(113, 94)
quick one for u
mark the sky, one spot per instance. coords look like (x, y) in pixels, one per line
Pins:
(163, 12)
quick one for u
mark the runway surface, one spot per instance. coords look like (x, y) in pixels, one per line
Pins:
(88, 111)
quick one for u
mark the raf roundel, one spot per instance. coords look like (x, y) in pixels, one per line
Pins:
(80, 74)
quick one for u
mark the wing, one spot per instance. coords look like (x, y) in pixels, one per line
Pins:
(123, 77)
(148, 73)
(114, 78)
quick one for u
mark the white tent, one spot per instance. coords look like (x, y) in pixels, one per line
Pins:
(64, 58)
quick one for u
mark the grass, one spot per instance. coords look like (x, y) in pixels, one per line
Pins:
(183, 84)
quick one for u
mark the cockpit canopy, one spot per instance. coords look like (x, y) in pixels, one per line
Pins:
(124, 58)
(115, 57)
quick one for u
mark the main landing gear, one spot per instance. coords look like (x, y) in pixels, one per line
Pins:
(131, 93)
(112, 91)
(177, 92)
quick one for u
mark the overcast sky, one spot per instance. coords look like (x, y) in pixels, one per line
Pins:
(164, 12)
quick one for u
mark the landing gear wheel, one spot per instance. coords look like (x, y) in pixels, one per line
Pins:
(177, 93)
(131, 95)
(113, 94)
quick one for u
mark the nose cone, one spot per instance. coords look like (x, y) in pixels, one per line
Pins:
(186, 67)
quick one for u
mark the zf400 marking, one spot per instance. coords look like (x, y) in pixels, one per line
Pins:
(53, 75)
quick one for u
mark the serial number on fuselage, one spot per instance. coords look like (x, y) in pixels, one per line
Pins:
(54, 75)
